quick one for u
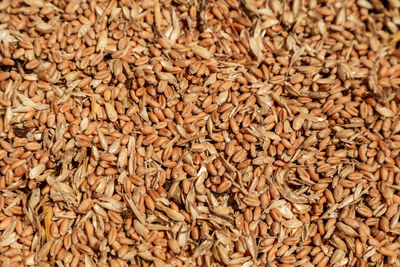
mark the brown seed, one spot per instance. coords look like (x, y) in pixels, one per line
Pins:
(262, 139)
(239, 156)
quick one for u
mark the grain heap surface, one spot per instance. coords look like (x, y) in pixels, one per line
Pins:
(199, 133)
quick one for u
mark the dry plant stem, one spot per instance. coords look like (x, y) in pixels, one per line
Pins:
(199, 133)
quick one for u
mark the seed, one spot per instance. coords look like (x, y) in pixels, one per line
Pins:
(239, 156)
(267, 134)
(111, 113)
(201, 52)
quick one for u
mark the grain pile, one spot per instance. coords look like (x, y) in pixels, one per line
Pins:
(199, 133)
